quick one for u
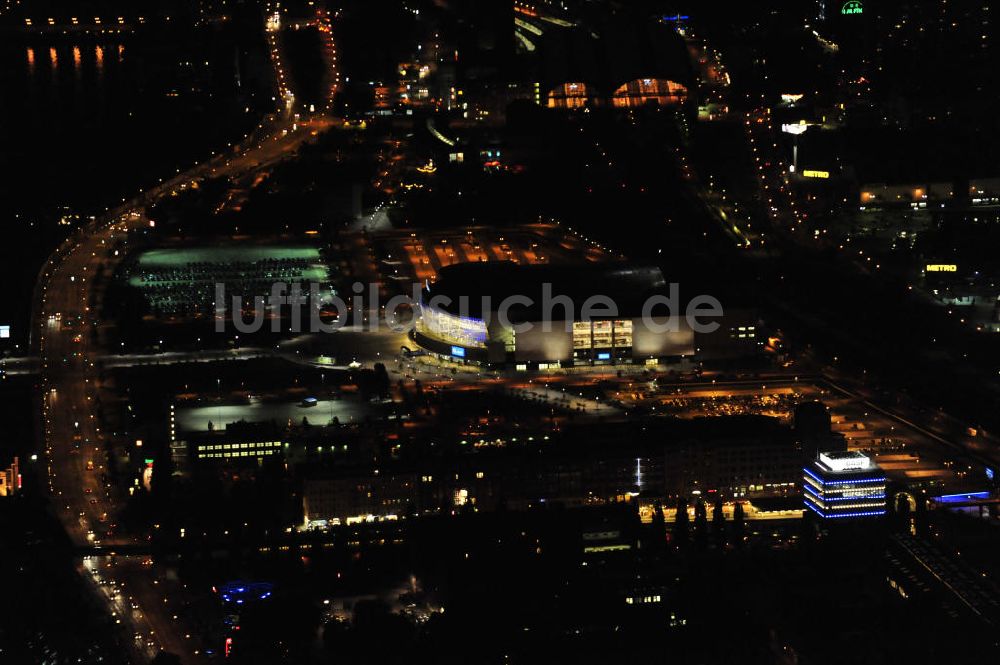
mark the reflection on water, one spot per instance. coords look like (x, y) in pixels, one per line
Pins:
(85, 57)
(74, 103)
(88, 122)
(131, 109)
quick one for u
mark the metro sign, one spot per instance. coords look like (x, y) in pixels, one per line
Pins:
(852, 7)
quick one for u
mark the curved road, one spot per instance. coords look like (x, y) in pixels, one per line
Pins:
(67, 335)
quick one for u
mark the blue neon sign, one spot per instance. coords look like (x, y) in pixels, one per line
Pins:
(458, 352)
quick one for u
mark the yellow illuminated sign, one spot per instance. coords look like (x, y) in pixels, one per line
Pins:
(941, 267)
(815, 174)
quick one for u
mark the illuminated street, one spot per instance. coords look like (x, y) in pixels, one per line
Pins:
(499, 331)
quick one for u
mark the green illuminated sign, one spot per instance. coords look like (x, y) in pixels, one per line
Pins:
(852, 7)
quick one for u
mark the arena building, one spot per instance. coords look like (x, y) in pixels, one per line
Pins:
(545, 316)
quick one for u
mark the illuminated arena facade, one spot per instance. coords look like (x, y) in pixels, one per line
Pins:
(460, 318)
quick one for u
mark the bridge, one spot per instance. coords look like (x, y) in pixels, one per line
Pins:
(29, 20)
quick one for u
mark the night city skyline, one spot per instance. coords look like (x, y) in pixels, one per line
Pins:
(500, 332)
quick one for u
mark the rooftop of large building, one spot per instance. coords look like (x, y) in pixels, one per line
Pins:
(612, 52)
(627, 286)
(845, 466)
(845, 460)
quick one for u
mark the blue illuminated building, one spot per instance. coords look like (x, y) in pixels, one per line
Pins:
(239, 593)
(844, 485)
(962, 498)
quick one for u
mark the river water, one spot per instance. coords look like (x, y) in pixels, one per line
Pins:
(86, 121)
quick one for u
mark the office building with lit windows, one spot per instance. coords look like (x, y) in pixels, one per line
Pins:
(845, 484)
(235, 443)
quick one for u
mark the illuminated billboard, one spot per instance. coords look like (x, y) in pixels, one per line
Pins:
(852, 7)
(795, 128)
(849, 461)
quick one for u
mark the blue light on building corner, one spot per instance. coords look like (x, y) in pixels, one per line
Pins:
(843, 482)
(871, 513)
